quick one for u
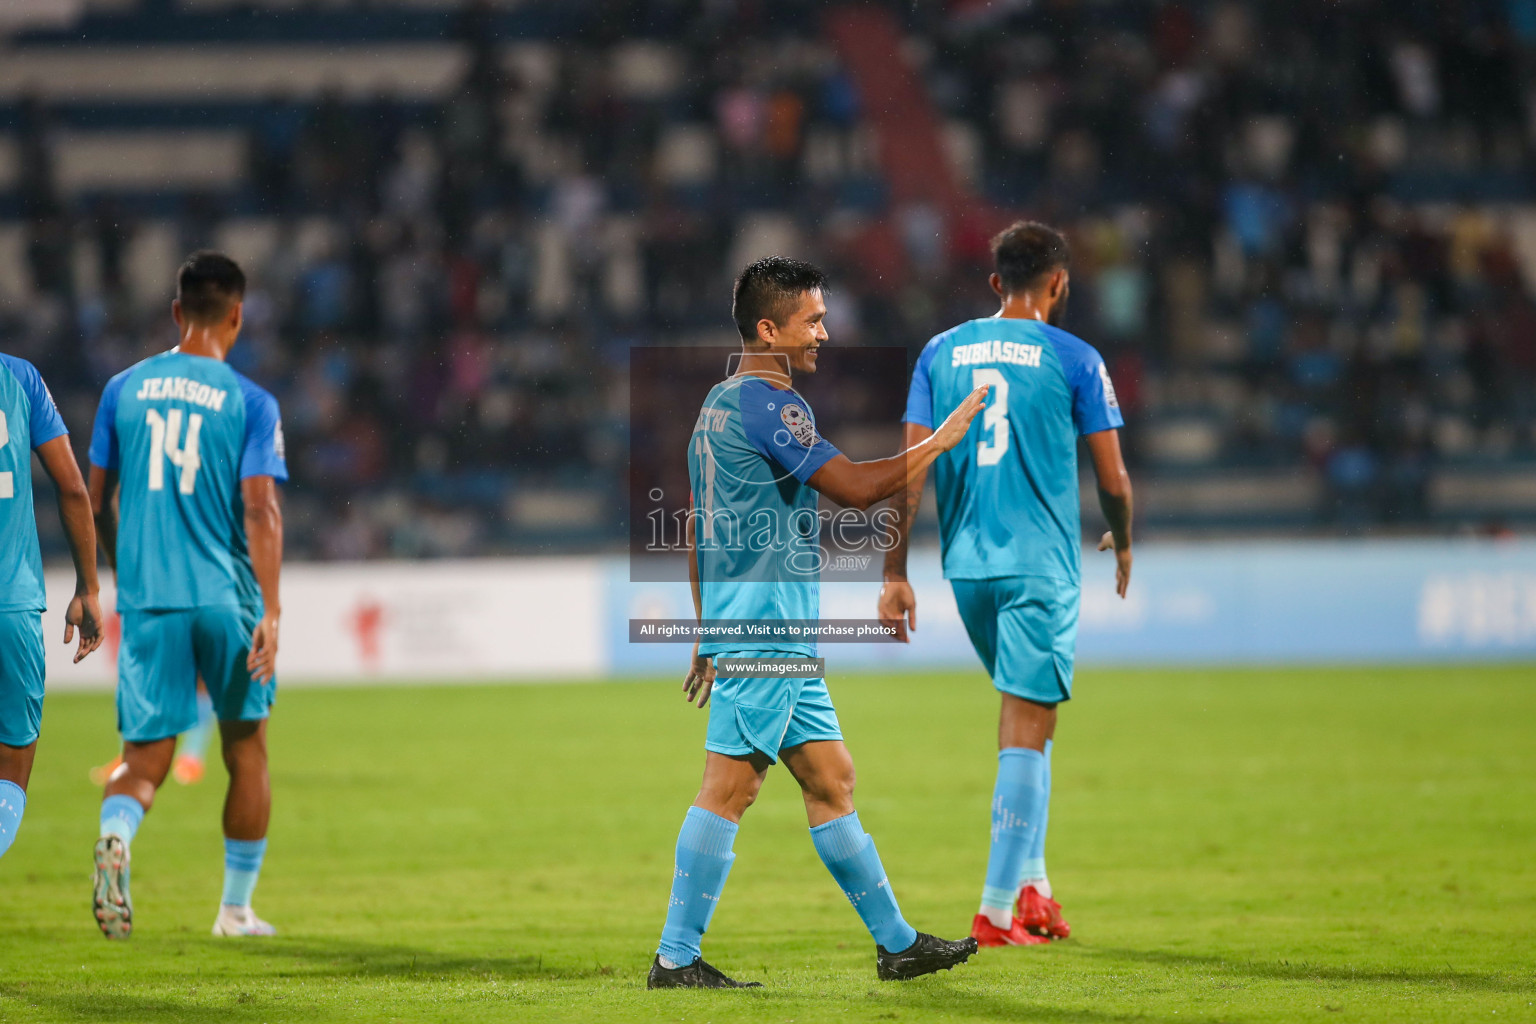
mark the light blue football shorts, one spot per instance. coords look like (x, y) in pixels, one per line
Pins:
(21, 677)
(163, 653)
(1024, 629)
(748, 714)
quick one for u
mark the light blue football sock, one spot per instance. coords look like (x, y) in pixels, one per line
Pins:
(1018, 801)
(242, 866)
(120, 816)
(13, 804)
(194, 742)
(704, 860)
(1034, 864)
(849, 853)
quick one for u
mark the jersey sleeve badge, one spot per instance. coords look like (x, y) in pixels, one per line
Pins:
(798, 421)
(1109, 387)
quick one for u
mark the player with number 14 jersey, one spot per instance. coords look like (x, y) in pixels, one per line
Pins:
(195, 451)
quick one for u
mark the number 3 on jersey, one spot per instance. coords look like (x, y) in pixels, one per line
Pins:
(165, 436)
(989, 452)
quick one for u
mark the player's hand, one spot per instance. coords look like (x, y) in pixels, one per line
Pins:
(700, 679)
(262, 661)
(84, 613)
(1122, 563)
(958, 422)
(897, 607)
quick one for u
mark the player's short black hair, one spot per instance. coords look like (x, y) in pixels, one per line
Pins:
(208, 284)
(770, 289)
(1025, 250)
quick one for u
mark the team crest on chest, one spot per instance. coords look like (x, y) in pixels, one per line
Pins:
(799, 423)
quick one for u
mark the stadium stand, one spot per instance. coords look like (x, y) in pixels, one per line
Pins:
(1312, 275)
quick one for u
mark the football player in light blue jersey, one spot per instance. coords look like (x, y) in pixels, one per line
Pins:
(1008, 523)
(29, 421)
(194, 452)
(756, 464)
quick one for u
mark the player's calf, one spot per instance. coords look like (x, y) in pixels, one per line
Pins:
(850, 856)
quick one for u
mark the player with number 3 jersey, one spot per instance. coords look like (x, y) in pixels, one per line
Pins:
(194, 450)
(1008, 524)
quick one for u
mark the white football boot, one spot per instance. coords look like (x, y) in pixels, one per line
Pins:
(240, 921)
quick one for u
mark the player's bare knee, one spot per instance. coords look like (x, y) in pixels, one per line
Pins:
(729, 796)
(842, 783)
(832, 788)
(731, 784)
(1025, 723)
(144, 769)
(244, 743)
(16, 763)
(743, 791)
(746, 791)
(244, 757)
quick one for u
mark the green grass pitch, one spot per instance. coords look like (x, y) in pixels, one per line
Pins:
(1282, 845)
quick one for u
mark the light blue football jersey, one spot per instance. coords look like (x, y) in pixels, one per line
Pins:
(757, 532)
(1007, 494)
(182, 431)
(28, 418)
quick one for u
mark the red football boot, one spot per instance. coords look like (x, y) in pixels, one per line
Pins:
(188, 770)
(988, 934)
(1040, 916)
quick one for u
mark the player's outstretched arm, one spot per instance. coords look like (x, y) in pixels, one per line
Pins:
(84, 612)
(897, 607)
(861, 484)
(264, 537)
(1115, 500)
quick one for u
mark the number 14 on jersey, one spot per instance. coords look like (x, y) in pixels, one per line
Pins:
(165, 438)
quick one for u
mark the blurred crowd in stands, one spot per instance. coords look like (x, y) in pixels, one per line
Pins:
(1304, 238)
